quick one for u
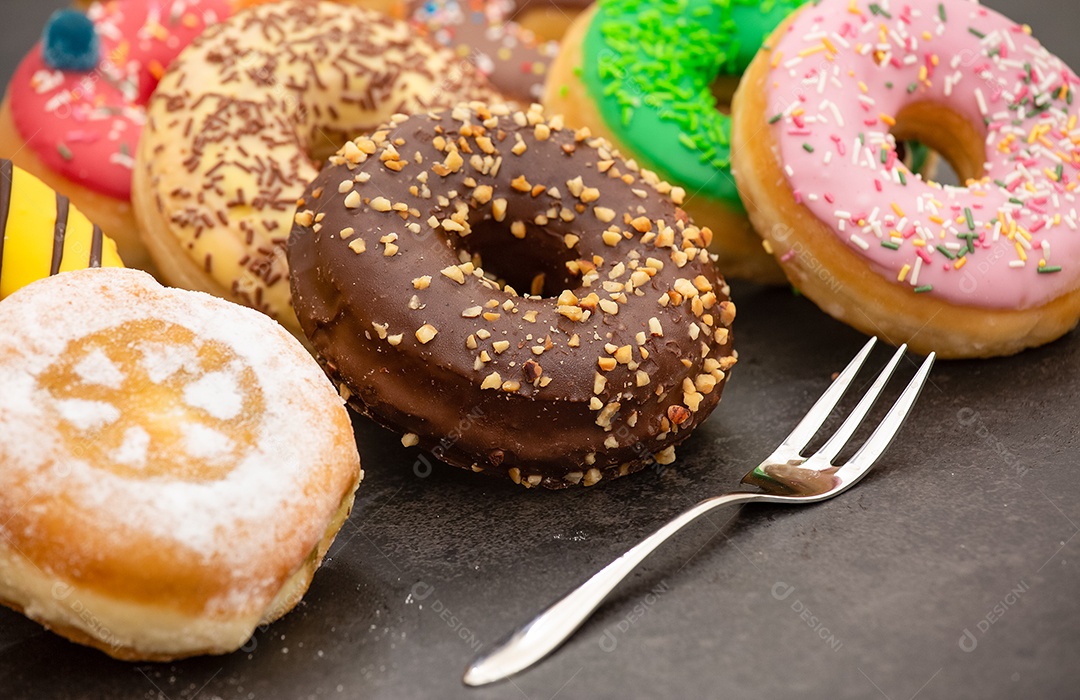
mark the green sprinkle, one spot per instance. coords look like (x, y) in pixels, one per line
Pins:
(976, 32)
(912, 87)
(879, 10)
(941, 12)
(888, 84)
(946, 252)
(970, 218)
(884, 154)
(903, 178)
(1000, 183)
(1059, 171)
(890, 245)
(776, 117)
(685, 140)
(64, 151)
(1047, 269)
(924, 288)
(808, 148)
(1014, 200)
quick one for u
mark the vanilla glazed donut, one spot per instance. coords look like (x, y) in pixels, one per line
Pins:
(76, 105)
(235, 126)
(174, 467)
(406, 255)
(653, 77)
(980, 270)
(42, 234)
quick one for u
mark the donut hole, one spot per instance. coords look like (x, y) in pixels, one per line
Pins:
(535, 264)
(946, 134)
(723, 90)
(323, 143)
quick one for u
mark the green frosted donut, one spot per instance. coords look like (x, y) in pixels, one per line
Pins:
(650, 66)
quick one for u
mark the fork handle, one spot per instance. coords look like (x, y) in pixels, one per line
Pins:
(545, 632)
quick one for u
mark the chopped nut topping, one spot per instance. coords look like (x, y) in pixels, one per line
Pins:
(532, 370)
(352, 200)
(604, 418)
(425, 333)
(604, 214)
(665, 456)
(454, 272)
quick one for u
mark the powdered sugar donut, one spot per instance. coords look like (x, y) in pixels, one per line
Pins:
(174, 466)
(987, 268)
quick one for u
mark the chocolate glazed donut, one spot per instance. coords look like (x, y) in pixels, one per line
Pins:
(406, 257)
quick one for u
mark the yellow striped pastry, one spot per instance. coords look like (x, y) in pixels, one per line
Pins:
(41, 234)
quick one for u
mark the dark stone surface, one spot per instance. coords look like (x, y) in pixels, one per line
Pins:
(967, 524)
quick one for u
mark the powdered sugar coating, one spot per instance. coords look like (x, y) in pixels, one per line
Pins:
(268, 498)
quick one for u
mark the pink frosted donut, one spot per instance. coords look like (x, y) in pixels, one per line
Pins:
(987, 268)
(78, 129)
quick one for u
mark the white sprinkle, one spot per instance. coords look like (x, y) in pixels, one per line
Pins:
(915, 272)
(836, 114)
(859, 241)
(981, 100)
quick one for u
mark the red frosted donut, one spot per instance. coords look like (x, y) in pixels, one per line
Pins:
(405, 257)
(75, 120)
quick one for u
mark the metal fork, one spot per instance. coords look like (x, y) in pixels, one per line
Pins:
(785, 476)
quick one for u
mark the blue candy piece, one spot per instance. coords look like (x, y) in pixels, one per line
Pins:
(70, 42)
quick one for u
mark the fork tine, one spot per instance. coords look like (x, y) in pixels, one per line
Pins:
(808, 426)
(840, 438)
(862, 460)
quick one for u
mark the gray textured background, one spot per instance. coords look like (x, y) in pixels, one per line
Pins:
(976, 507)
